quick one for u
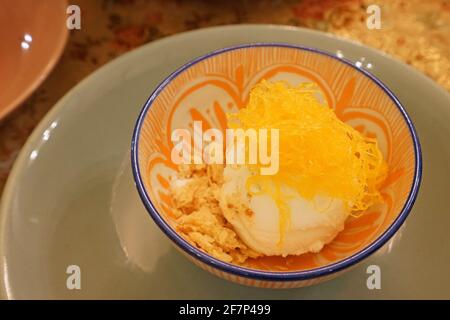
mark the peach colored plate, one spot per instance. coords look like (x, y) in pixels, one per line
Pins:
(33, 35)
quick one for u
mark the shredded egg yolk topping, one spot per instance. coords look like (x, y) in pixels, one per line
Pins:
(318, 153)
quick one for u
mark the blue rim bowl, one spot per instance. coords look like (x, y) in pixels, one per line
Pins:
(260, 274)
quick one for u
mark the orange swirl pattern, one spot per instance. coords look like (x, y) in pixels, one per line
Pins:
(221, 83)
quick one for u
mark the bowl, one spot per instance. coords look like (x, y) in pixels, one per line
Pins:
(33, 35)
(219, 82)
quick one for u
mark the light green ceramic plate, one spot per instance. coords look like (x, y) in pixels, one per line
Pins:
(70, 198)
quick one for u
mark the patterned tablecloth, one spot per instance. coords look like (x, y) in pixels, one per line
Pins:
(415, 31)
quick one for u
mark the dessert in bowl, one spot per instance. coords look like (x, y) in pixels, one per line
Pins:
(346, 175)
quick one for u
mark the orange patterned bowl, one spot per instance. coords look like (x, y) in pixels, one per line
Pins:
(219, 82)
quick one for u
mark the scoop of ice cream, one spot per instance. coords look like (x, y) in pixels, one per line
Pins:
(255, 218)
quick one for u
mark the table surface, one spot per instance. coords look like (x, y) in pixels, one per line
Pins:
(414, 31)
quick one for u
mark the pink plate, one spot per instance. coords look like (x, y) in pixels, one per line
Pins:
(33, 35)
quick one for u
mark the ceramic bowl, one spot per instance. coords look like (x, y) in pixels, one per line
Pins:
(219, 82)
(33, 35)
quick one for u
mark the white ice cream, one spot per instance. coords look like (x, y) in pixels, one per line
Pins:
(312, 224)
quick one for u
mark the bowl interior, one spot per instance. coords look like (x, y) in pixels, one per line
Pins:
(211, 86)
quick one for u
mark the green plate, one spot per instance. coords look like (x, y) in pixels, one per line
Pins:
(70, 199)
